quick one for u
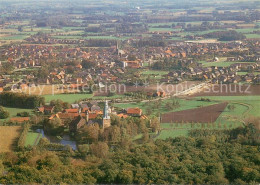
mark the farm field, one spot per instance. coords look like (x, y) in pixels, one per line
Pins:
(253, 102)
(70, 98)
(207, 114)
(8, 137)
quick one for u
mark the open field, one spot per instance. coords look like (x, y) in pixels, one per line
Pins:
(32, 138)
(8, 137)
(207, 114)
(13, 112)
(230, 90)
(70, 98)
(217, 64)
(154, 72)
(184, 105)
(173, 133)
(253, 102)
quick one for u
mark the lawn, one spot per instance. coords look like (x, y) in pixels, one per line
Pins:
(155, 72)
(217, 64)
(245, 73)
(70, 98)
(15, 37)
(173, 133)
(117, 96)
(160, 29)
(252, 36)
(32, 138)
(8, 137)
(13, 112)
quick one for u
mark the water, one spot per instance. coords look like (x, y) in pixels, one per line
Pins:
(66, 139)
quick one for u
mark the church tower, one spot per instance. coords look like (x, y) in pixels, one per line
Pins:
(106, 118)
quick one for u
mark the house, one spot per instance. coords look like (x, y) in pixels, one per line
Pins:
(71, 111)
(121, 115)
(134, 112)
(160, 94)
(20, 119)
(223, 78)
(40, 109)
(48, 109)
(77, 124)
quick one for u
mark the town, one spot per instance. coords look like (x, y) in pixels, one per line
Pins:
(129, 92)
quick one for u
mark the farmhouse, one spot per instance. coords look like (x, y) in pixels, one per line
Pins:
(20, 119)
(135, 112)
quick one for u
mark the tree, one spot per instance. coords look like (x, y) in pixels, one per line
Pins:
(58, 106)
(155, 124)
(231, 107)
(53, 126)
(168, 106)
(3, 113)
(88, 64)
(131, 57)
(20, 28)
(6, 68)
(83, 149)
(99, 149)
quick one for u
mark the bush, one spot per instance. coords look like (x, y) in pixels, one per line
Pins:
(23, 114)
(3, 113)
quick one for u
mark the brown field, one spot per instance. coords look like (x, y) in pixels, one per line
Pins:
(8, 137)
(230, 90)
(167, 88)
(207, 114)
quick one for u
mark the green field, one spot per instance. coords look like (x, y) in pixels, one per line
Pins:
(13, 112)
(173, 133)
(70, 98)
(228, 119)
(252, 36)
(253, 102)
(184, 105)
(154, 72)
(32, 138)
(217, 64)
(160, 29)
(245, 73)
(117, 96)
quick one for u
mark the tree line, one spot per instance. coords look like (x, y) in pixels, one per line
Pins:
(198, 159)
(19, 100)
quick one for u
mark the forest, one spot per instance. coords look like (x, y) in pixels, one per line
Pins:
(206, 157)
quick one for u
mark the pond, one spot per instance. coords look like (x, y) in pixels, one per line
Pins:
(64, 140)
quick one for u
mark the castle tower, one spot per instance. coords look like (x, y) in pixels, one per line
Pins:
(106, 118)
